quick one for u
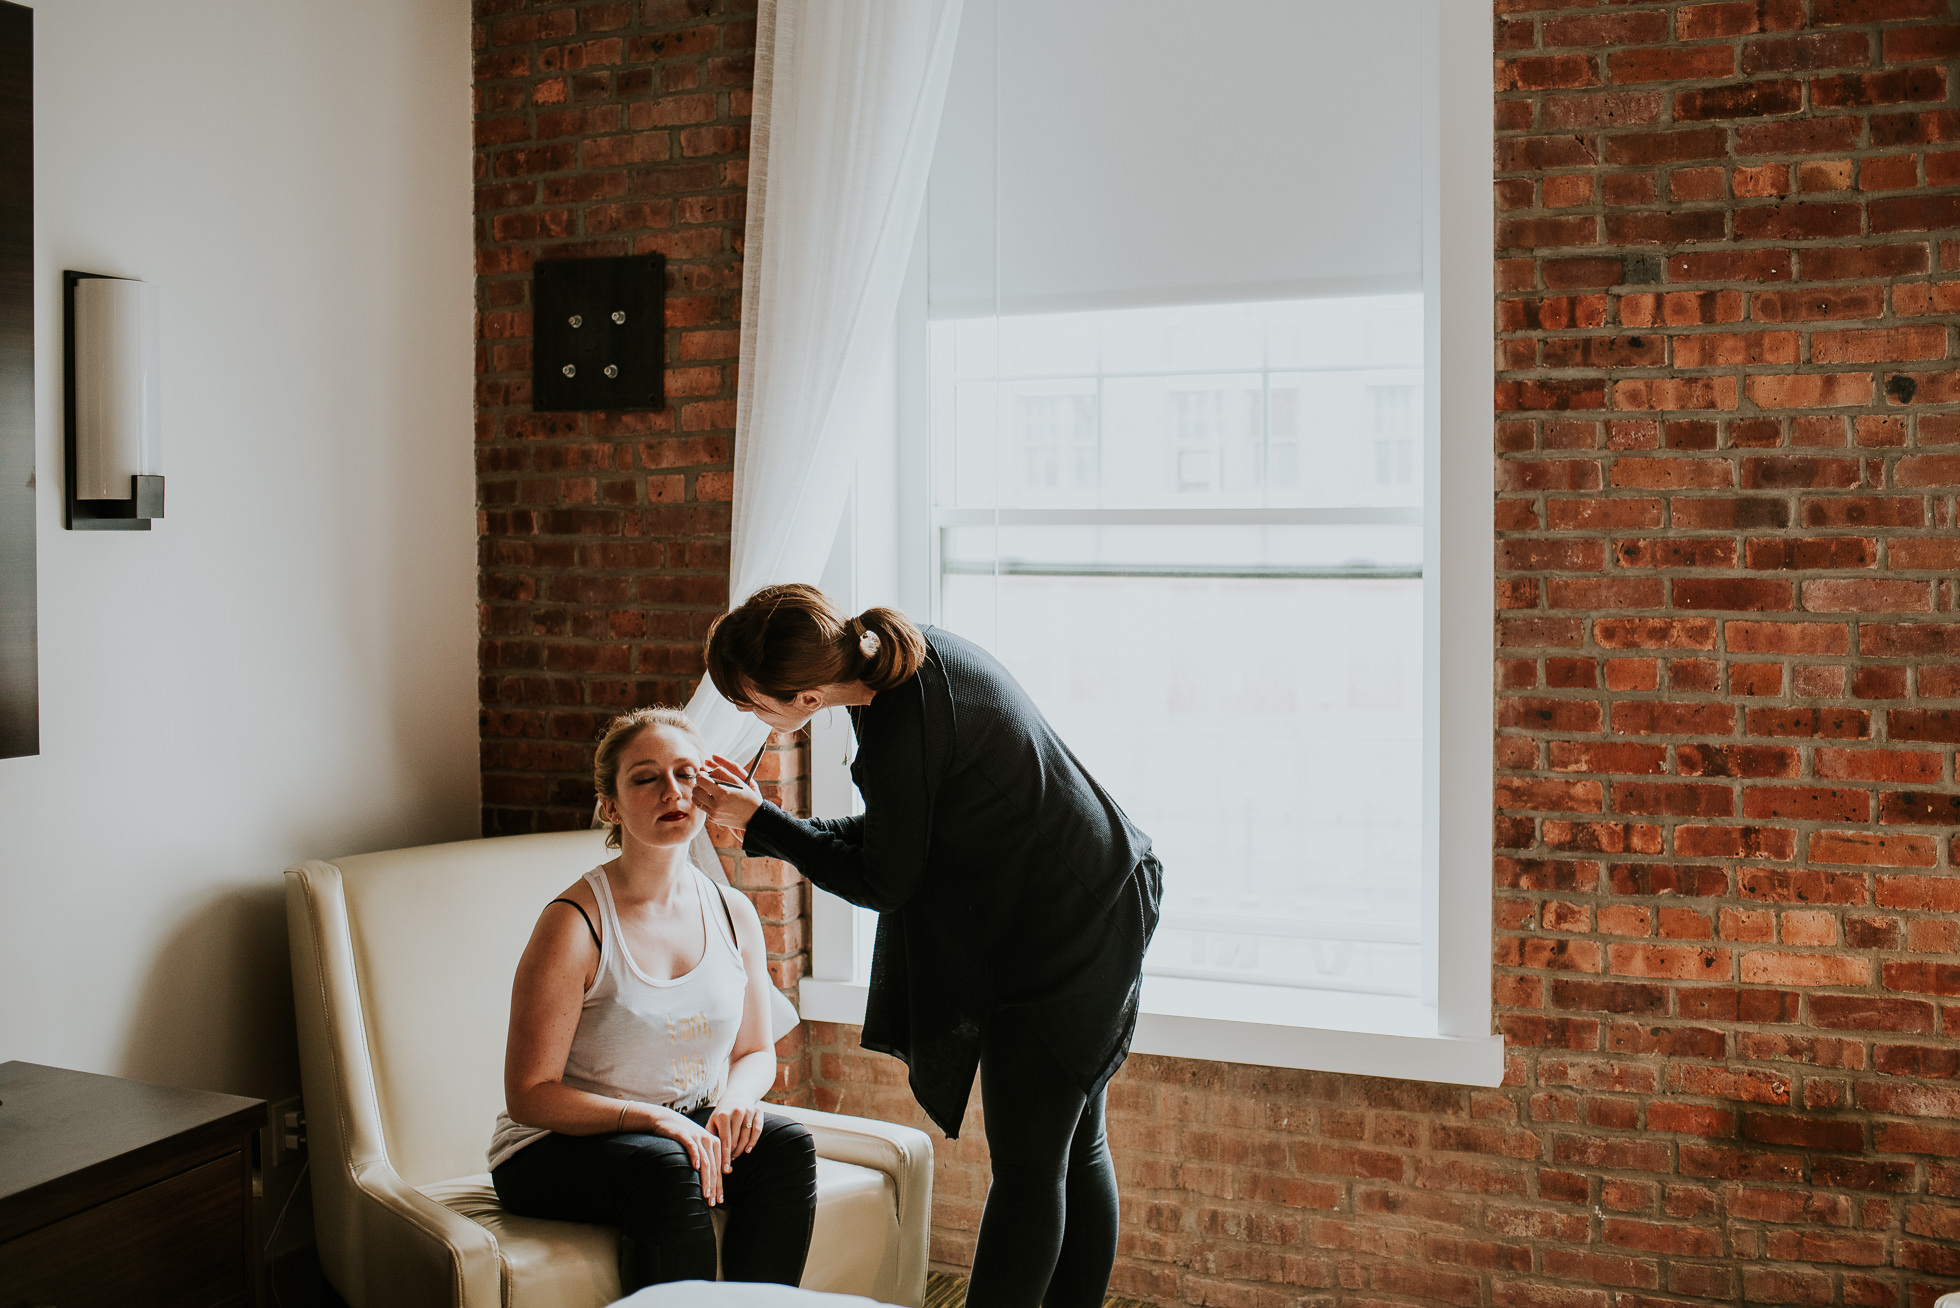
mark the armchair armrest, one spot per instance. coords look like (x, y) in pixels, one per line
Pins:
(381, 1241)
(415, 1251)
(902, 1153)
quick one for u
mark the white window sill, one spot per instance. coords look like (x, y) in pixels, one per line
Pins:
(1269, 1026)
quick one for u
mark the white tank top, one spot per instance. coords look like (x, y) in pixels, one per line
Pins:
(655, 1042)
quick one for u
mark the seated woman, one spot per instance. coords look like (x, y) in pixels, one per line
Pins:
(639, 1045)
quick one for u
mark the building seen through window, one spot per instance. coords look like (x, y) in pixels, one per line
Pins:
(1194, 534)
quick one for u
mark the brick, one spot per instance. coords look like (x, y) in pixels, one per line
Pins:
(1806, 53)
(1738, 18)
(1782, 968)
(1878, 345)
(1927, 128)
(1799, 553)
(1741, 100)
(1808, 390)
(1719, 514)
(1671, 64)
(1807, 803)
(1647, 149)
(1936, 725)
(1864, 511)
(1787, 638)
(1918, 808)
(1892, 86)
(1866, 595)
(1928, 470)
(1915, 213)
(1870, 1013)
(1809, 135)
(1739, 594)
(1817, 304)
(1537, 73)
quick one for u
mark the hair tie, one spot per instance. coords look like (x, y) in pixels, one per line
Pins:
(868, 642)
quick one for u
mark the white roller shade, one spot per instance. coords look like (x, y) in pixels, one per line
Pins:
(1177, 151)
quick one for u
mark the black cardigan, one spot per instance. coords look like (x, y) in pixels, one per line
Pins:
(1007, 882)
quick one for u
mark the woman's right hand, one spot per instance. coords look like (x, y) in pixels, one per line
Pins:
(703, 1147)
(732, 799)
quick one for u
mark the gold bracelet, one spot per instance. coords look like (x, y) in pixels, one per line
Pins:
(621, 1126)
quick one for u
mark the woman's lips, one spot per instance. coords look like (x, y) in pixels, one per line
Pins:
(674, 817)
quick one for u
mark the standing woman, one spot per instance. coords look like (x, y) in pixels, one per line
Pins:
(1015, 901)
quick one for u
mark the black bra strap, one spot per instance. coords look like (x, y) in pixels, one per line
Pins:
(726, 911)
(588, 921)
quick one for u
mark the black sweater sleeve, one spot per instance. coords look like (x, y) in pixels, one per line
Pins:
(876, 858)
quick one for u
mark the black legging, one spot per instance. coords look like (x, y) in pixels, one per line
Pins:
(1048, 1235)
(644, 1185)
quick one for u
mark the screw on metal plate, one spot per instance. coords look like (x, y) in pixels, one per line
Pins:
(619, 315)
(570, 370)
(576, 320)
(612, 370)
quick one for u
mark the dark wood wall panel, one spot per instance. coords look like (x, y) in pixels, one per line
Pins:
(20, 731)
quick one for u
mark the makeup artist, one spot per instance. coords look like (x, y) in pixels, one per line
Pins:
(1015, 902)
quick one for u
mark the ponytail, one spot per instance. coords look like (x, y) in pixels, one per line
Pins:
(787, 639)
(890, 649)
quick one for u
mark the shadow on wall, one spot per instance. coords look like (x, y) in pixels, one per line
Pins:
(216, 1010)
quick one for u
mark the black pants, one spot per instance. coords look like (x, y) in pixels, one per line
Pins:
(644, 1185)
(1048, 1234)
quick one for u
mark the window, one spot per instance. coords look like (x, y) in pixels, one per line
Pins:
(1206, 524)
(1235, 655)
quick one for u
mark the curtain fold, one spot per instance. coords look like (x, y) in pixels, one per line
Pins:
(848, 95)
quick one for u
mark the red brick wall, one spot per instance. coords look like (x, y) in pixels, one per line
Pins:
(1729, 448)
(604, 128)
(1726, 957)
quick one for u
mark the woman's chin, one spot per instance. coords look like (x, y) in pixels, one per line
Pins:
(668, 834)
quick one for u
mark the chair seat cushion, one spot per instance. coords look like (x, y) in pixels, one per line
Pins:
(574, 1265)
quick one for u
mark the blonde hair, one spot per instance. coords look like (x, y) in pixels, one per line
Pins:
(619, 733)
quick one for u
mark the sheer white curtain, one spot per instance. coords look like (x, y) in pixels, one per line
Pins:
(848, 96)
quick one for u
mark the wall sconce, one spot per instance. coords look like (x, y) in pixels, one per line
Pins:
(115, 428)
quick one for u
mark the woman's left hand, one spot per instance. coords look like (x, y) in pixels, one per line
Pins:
(731, 799)
(739, 1125)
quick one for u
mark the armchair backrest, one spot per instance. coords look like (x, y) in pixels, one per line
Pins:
(414, 951)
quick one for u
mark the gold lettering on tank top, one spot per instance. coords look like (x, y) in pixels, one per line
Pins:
(690, 1075)
(694, 1026)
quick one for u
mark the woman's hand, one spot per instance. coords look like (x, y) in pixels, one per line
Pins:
(732, 799)
(738, 1125)
(704, 1149)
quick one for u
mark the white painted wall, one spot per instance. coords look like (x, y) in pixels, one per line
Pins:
(285, 667)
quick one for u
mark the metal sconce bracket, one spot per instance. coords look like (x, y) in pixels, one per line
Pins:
(145, 493)
(598, 334)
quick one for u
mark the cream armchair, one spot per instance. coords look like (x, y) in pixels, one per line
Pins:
(402, 964)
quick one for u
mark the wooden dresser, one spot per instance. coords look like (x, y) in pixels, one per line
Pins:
(116, 1192)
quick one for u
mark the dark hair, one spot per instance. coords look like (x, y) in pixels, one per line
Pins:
(621, 732)
(786, 639)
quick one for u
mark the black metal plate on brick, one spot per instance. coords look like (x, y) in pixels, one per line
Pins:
(589, 315)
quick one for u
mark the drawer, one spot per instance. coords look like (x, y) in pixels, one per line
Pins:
(181, 1243)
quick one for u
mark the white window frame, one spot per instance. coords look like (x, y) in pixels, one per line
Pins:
(1443, 1035)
